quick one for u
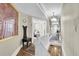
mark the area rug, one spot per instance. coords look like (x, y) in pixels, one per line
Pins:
(24, 51)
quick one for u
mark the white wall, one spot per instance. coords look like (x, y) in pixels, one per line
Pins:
(28, 23)
(70, 36)
(9, 45)
(48, 28)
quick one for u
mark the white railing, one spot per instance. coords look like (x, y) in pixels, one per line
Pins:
(42, 45)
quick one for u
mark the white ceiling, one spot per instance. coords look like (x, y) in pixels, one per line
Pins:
(51, 8)
(30, 9)
(41, 10)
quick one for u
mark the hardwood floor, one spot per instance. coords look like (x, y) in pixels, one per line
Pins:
(55, 50)
(30, 51)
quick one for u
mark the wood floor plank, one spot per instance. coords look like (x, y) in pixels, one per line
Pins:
(55, 50)
(30, 51)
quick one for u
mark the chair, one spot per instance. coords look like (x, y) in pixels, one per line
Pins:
(25, 39)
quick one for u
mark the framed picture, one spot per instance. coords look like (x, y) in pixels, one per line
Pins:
(0, 29)
(8, 20)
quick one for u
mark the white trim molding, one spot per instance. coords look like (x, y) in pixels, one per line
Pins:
(43, 9)
(63, 51)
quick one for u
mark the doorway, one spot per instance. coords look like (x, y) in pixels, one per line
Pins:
(38, 27)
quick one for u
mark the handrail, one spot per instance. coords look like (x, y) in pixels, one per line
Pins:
(44, 40)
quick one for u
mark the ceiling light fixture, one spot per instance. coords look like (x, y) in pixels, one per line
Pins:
(54, 18)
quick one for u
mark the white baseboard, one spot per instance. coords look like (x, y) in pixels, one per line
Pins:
(64, 54)
(16, 51)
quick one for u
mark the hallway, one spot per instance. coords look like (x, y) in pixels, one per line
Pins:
(51, 28)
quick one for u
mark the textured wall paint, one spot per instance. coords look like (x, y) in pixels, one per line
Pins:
(70, 37)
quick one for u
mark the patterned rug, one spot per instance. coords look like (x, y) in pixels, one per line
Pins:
(30, 51)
